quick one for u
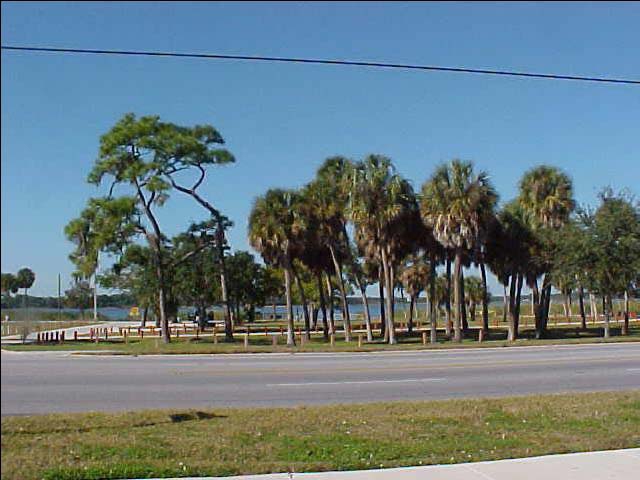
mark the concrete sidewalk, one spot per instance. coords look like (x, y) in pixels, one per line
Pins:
(609, 465)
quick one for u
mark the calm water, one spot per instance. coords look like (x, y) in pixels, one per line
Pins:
(120, 313)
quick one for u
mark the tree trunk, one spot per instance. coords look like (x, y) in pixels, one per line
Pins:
(513, 334)
(389, 299)
(432, 301)
(517, 305)
(583, 316)
(485, 298)
(228, 326)
(625, 330)
(594, 307)
(447, 302)
(346, 319)
(463, 304)
(164, 321)
(392, 295)
(305, 309)
(367, 314)
(383, 316)
(145, 313)
(505, 304)
(410, 322)
(457, 298)
(323, 307)
(156, 248)
(332, 323)
(291, 339)
(536, 302)
(606, 308)
(95, 297)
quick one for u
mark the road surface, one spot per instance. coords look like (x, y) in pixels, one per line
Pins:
(60, 382)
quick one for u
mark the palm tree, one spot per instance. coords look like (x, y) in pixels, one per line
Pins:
(546, 199)
(272, 232)
(379, 199)
(362, 273)
(475, 292)
(25, 279)
(457, 204)
(325, 199)
(415, 277)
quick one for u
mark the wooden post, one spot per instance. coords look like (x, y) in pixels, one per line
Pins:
(424, 338)
(177, 333)
(359, 340)
(332, 337)
(215, 335)
(141, 332)
(38, 338)
(106, 334)
(481, 335)
(126, 336)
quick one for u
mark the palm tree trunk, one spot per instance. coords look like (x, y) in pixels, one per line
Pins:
(517, 305)
(583, 316)
(392, 296)
(332, 323)
(346, 319)
(383, 316)
(505, 304)
(410, 322)
(463, 304)
(389, 299)
(365, 306)
(367, 314)
(305, 309)
(291, 340)
(594, 307)
(447, 303)
(432, 300)
(457, 270)
(485, 297)
(323, 307)
(314, 316)
(513, 334)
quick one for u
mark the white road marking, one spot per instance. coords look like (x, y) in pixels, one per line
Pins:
(361, 382)
(633, 369)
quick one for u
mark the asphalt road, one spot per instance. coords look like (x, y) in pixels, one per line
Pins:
(59, 382)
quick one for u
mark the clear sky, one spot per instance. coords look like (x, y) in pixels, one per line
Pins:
(281, 120)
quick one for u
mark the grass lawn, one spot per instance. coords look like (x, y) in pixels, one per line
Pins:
(164, 443)
(262, 344)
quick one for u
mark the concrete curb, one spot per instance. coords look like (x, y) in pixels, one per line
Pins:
(609, 464)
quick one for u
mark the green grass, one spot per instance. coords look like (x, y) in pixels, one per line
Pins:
(262, 344)
(178, 443)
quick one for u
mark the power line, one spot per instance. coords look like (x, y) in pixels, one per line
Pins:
(317, 61)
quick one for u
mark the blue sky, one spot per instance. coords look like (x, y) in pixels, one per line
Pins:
(281, 120)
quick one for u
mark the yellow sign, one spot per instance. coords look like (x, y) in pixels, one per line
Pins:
(134, 312)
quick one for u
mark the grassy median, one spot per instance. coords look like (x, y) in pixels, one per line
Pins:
(174, 443)
(263, 344)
